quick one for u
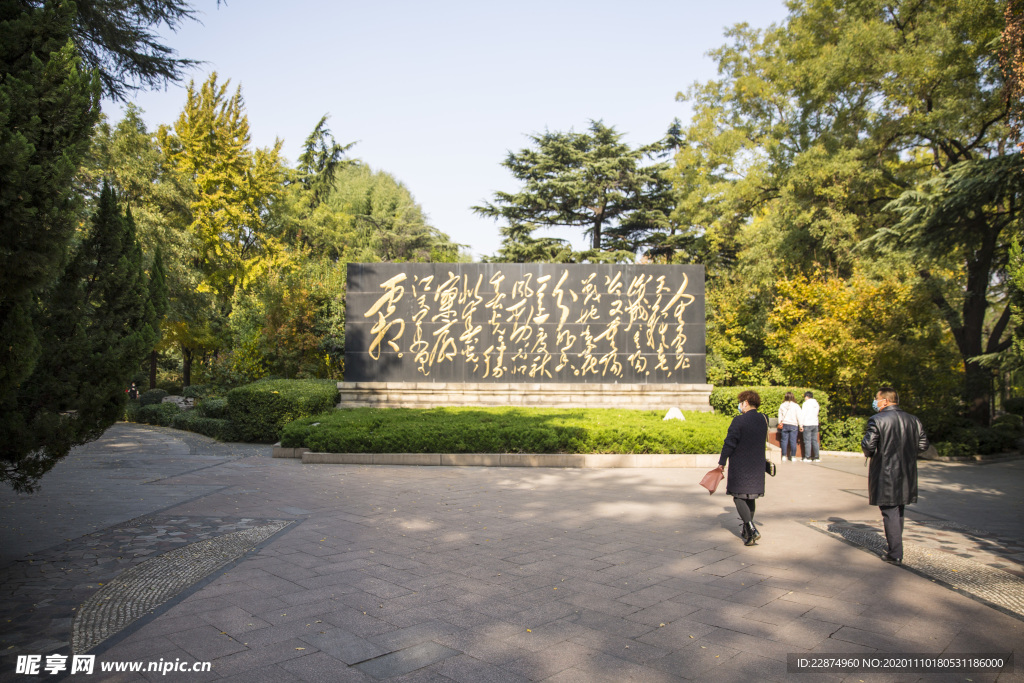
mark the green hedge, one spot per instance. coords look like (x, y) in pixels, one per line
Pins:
(843, 434)
(161, 414)
(506, 430)
(192, 421)
(723, 399)
(260, 410)
(153, 396)
(213, 407)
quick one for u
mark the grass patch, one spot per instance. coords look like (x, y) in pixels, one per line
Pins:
(505, 430)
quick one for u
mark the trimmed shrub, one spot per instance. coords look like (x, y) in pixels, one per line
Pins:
(844, 434)
(213, 407)
(1009, 421)
(152, 397)
(260, 410)
(1014, 405)
(131, 410)
(723, 399)
(197, 391)
(506, 430)
(191, 421)
(161, 414)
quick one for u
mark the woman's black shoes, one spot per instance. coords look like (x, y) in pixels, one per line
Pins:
(750, 533)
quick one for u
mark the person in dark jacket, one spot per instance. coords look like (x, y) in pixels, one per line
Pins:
(892, 441)
(745, 446)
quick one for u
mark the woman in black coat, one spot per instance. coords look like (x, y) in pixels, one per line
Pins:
(745, 446)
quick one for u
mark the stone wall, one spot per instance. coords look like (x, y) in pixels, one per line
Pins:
(440, 394)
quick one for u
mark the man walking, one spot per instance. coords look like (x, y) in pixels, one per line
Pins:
(809, 416)
(892, 440)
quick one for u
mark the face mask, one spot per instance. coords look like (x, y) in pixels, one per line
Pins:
(739, 408)
(874, 405)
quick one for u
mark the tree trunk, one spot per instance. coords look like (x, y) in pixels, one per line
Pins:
(186, 366)
(152, 369)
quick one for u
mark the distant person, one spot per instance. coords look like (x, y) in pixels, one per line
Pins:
(892, 440)
(744, 446)
(133, 391)
(789, 420)
(809, 410)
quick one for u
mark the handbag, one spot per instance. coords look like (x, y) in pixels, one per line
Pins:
(769, 466)
(712, 479)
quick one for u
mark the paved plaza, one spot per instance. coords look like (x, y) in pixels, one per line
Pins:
(153, 545)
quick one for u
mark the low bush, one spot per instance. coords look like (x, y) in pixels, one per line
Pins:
(723, 399)
(843, 434)
(260, 410)
(192, 421)
(975, 440)
(161, 414)
(213, 407)
(506, 430)
(131, 410)
(198, 391)
(152, 396)
(1014, 405)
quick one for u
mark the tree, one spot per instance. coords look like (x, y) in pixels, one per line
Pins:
(848, 336)
(96, 325)
(116, 40)
(797, 156)
(48, 106)
(591, 181)
(380, 220)
(229, 192)
(306, 220)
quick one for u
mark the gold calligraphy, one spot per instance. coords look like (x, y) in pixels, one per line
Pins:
(524, 326)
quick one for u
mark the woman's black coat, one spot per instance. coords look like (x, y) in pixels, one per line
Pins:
(745, 446)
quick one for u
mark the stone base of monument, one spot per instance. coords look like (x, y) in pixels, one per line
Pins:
(595, 460)
(659, 397)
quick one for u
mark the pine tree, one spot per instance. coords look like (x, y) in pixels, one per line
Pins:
(48, 106)
(96, 326)
(593, 181)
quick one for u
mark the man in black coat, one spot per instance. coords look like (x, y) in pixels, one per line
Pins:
(892, 440)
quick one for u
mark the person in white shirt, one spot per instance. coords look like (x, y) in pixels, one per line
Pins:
(809, 420)
(789, 418)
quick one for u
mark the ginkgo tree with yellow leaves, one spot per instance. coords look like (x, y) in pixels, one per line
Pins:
(228, 190)
(842, 334)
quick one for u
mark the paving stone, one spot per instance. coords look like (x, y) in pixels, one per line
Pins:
(406, 660)
(345, 646)
(256, 658)
(320, 667)
(205, 643)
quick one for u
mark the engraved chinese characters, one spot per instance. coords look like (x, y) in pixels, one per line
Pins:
(421, 322)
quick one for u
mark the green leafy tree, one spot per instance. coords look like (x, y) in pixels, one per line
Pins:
(591, 181)
(824, 135)
(381, 220)
(307, 221)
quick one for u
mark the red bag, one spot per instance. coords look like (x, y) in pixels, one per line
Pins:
(712, 479)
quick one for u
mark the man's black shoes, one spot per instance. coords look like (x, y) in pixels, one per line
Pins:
(891, 560)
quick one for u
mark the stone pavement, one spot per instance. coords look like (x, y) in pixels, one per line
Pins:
(494, 574)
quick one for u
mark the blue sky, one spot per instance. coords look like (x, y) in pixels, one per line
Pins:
(437, 93)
